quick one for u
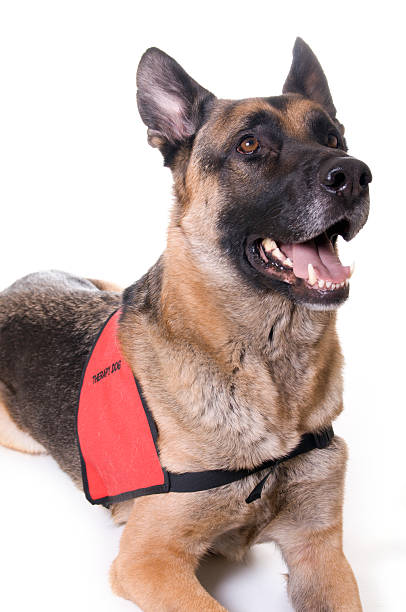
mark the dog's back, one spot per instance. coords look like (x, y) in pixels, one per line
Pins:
(48, 322)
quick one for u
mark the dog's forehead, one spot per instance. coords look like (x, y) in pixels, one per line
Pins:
(289, 113)
(297, 114)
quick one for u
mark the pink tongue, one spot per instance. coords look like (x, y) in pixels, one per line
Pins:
(321, 255)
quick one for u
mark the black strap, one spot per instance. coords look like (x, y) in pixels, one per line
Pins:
(189, 482)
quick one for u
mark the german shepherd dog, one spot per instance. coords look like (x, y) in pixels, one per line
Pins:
(231, 335)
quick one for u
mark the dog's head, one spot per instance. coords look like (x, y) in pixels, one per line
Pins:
(268, 180)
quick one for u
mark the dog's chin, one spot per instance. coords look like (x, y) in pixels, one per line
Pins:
(314, 299)
(321, 301)
(283, 267)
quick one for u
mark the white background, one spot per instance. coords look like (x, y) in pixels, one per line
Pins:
(80, 190)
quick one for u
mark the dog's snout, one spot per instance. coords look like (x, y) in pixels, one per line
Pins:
(345, 177)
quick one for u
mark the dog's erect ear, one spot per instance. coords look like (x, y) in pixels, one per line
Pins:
(169, 100)
(306, 77)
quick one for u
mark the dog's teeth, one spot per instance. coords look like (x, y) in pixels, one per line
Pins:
(347, 282)
(278, 254)
(262, 254)
(328, 284)
(352, 269)
(342, 283)
(269, 244)
(321, 283)
(311, 274)
(288, 263)
(333, 286)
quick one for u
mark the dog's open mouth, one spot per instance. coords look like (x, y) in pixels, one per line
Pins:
(312, 268)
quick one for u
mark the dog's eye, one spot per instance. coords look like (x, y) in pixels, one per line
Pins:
(248, 145)
(332, 141)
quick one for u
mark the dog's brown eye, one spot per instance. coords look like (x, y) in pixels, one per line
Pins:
(248, 145)
(332, 141)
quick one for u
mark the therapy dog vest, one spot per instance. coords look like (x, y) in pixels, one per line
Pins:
(117, 435)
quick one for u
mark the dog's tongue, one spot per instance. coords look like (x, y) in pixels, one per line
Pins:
(320, 253)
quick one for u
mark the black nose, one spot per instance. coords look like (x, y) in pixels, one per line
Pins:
(345, 176)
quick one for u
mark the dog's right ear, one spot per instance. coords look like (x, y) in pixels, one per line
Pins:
(170, 102)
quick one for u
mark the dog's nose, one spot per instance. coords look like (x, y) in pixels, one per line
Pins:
(346, 177)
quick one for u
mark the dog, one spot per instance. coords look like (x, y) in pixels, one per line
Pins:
(230, 335)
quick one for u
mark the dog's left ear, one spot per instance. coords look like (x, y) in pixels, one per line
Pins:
(306, 77)
(170, 102)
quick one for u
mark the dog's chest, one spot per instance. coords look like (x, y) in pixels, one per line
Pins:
(239, 420)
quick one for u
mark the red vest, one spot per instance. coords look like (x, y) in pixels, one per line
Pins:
(116, 432)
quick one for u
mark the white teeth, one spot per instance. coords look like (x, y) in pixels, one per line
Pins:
(347, 282)
(269, 244)
(352, 268)
(278, 254)
(311, 274)
(271, 247)
(321, 283)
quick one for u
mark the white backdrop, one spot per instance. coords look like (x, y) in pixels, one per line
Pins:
(80, 190)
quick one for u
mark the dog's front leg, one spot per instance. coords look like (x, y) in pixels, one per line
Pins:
(320, 577)
(159, 552)
(308, 530)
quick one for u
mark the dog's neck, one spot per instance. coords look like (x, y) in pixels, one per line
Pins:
(208, 304)
(263, 371)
